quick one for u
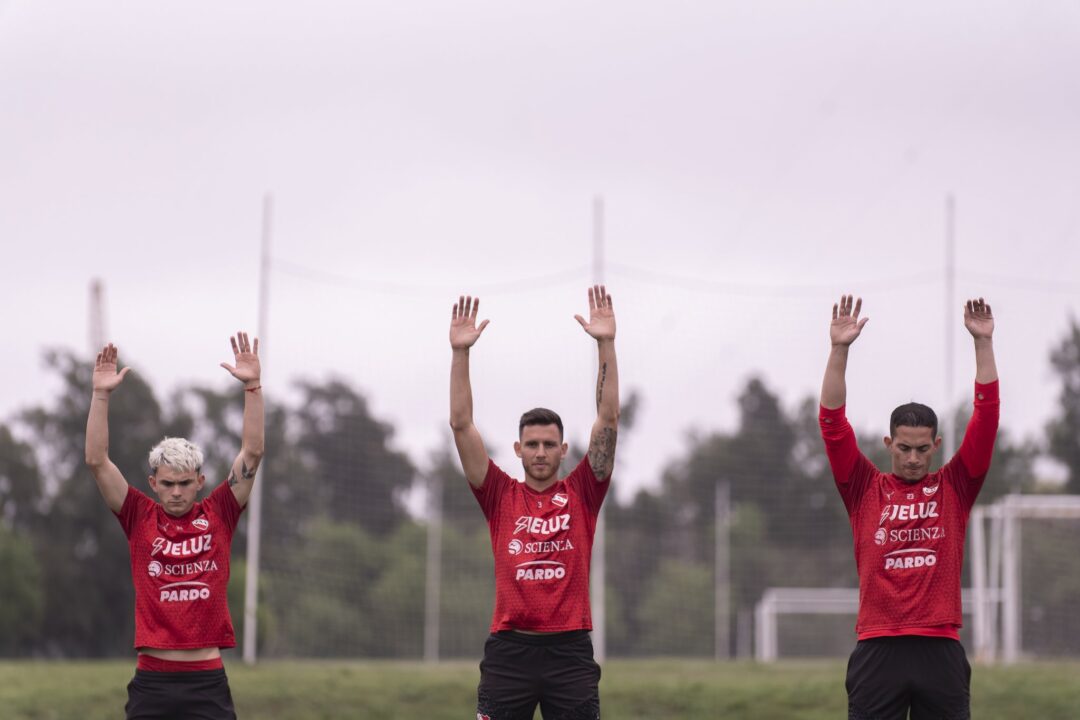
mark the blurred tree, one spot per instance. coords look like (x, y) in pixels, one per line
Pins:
(1063, 431)
(20, 575)
(675, 615)
(320, 592)
(359, 477)
(21, 612)
(20, 483)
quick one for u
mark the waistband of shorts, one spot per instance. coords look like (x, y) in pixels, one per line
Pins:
(546, 639)
(150, 663)
(908, 640)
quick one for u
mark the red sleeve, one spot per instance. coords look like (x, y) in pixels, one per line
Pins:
(978, 445)
(973, 457)
(852, 471)
(491, 489)
(592, 490)
(225, 505)
(136, 505)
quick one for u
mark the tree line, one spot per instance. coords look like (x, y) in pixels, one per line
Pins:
(344, 558)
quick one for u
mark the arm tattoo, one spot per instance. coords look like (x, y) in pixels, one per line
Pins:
(600, 385)
(602, 452)
(245, 472)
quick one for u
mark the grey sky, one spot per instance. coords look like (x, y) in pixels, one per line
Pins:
(757, 159)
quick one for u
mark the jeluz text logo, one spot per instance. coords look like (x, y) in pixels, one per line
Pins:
(187, 548)
(184, 592)
(541, 570)
(542, 526)
(912, 559)
(911, 511)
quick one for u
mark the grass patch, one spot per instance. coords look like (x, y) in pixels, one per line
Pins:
(630, 690)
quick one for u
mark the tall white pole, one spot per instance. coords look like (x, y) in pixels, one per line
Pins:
(599, 564)
(97, 316)
(251, 577)
(947, 429)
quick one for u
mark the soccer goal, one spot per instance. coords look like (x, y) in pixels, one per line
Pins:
(1025, 577)
(802, 601)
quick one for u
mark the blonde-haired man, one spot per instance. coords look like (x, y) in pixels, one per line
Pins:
(179, 549)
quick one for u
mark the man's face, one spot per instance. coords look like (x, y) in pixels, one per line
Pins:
(911, 449)
(177, 489)
(541, 451)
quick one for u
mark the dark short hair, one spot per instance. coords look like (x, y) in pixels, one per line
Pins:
(913, 415)
(540, 416)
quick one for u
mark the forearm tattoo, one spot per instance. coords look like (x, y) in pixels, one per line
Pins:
(600, 385)
(602, 451)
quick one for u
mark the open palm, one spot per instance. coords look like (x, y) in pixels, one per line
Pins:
(106, 378)
(464, 331)
(246, 357)
(601, 324)
(846, 325)
(978, 318)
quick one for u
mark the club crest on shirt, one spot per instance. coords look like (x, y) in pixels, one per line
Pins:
(928, 491)
(201, 523)
(559, 499)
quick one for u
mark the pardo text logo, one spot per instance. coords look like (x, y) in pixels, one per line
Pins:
(912, 559)
(539, 570)
(184, 592)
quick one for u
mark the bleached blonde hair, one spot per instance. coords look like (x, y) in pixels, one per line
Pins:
(176, 453)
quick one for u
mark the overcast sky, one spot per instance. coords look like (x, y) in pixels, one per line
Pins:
(756, 159)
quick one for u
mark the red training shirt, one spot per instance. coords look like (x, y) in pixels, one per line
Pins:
(180, 569)
(542, 542)
(909, 537)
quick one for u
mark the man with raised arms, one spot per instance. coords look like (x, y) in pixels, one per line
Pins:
(539, 650)
(179, 550)
(908, 528)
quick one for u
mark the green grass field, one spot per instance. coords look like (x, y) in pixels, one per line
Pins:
(660, 689)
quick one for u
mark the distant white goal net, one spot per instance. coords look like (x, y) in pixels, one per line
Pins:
(1023, 584)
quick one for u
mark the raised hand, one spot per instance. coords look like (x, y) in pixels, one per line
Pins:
(601, 323)
(106, 378)
(978, 319)
(463, 329)
(247, 368)
(846, 325)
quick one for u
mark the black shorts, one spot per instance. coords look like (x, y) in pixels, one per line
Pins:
(557, 671)
(199, 695)
(887, 676)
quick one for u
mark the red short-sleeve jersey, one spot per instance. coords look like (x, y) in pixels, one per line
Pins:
(909, 537)
(180, 570)
(542, 542)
